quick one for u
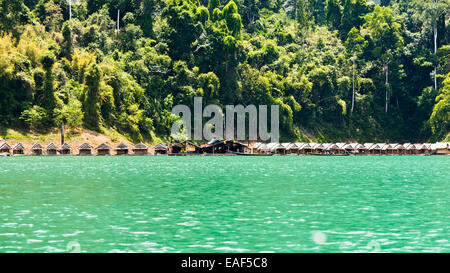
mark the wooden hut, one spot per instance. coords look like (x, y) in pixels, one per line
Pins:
(420, 148)
(304, 148)
(441, 148)
(140, 149)
(317, 148)
(18, 149)
(161, 149)
(85, 149)
(276, 148)
(176, 148)
(375, 149)
(51, 149)
(122, 149)
(65, 149)
(37, 149)
(332, 149)
(255, 147)
(236, 147)
(358, 148)
(383, 148)
(103, 149)
(291, 148)
(410, 149)
(5, 148)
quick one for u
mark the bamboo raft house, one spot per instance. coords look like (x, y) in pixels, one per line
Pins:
(85, 149)
(291, 148)
(51, 149)
(140, 149)
(5, 148)
(441, 148)
(65, 149)
(37, 149)
(333, 149)
(18, 149)
(103, 149)
(161, 149)
(122, 149)
(304, 148)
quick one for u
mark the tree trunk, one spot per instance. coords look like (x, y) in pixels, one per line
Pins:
(386, 68)
(353, 94)
(435, 51)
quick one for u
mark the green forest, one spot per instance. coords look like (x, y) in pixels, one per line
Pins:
(338, 69)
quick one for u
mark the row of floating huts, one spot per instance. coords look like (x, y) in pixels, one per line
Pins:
(221, 147)
(66, 149)
(300, 148)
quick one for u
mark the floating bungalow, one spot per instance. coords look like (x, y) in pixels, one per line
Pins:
(161, 149)
(65, 149)
(317, 148)
(216, 146)
(51, 149)
(441, 148)
(122, 149)
(85, 149)
(291, 148)
(140, 149)
(103, 149)
(37, 149)
(176, 148)
(421, 149)
(5, 148)
(276, 148)
(304, 148)
(333, 149)
(18, 149)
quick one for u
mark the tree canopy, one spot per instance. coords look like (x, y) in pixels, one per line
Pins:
(338, 69)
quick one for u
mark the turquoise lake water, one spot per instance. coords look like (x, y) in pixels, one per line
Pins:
(225, 204)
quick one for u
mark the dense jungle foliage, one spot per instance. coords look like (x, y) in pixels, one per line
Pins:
(338, 69)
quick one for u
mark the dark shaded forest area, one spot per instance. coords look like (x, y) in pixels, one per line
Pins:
(338, 69)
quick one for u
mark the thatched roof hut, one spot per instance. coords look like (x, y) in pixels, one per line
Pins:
(5, 148)
(65, 149)
(161, 148)
(103, 149)
(122, 149)
(85, 149)
(18, 149)
(51, 149)
(37, 149)
(140, 149)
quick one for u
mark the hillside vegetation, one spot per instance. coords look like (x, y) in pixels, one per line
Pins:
(338, 69)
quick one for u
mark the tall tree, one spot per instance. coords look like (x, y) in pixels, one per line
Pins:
(333, 13)
(304, 17)
(385, 32)
(355, 46)
(433, 10)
